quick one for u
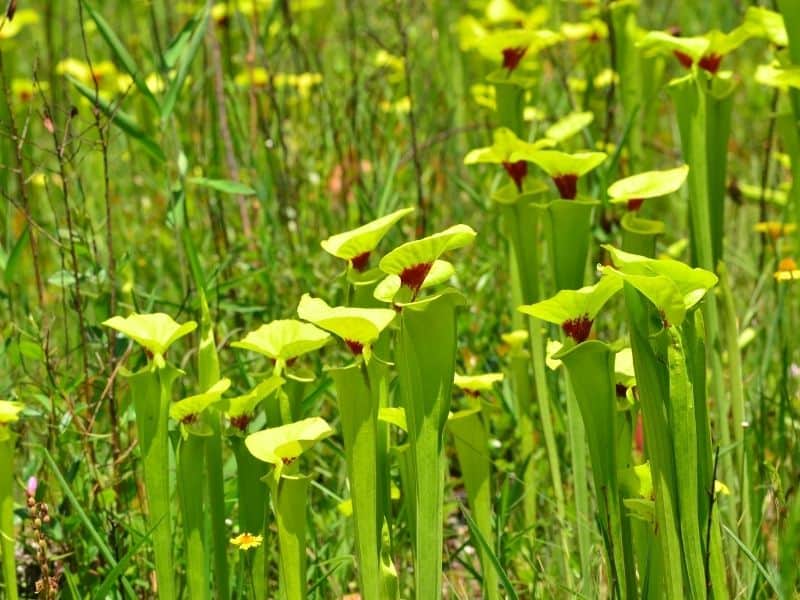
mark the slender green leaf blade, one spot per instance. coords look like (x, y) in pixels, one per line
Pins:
(184, 64)
(122, 120)
(120, 51)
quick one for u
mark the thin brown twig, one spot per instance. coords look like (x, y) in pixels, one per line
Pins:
(77, 297)
(612, 87)
(442, 137)
(17, 142)
(422, 206)
(225, 133)
(762, 199)
(102, 133)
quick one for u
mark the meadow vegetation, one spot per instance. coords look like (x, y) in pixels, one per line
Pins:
(381, 300)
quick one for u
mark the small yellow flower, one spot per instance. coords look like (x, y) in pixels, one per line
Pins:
(775, 229)
(246, 541)
(401, 106)
(787, 270)
(25, 90)
(721, 488)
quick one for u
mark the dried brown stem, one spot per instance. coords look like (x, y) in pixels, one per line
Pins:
(225, 133)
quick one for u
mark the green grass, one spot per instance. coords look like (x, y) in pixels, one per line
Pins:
(196, 173)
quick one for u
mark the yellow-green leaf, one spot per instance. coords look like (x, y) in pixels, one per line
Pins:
(194, 405)
(351, 244)
(360, 326)
(650, 184)
(277, 445)
(477, 383)
(555, 163)
(571, 304)
(246, 403)
(568, 126)
(156, 331)
(284, 339)
(504, 144)
(426, 250)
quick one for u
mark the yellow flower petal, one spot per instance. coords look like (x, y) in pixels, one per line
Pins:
(775, 229)
(246, 541)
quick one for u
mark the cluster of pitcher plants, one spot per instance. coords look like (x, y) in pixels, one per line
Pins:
(622, 371)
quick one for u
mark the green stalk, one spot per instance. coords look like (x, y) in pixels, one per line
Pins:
(521, 221)
(472, 447)
(191, 479)
(546, 419)
(7, 537)
(402, 455)
(359, 422)
(426, 363)
(591, 373)
(737, 401)
(577, 449)
(390, 588)
(639, 235)
(682, 415)
(252, 501)
(290, 497)
(521, 384)
(790, 10)
(694, 347)
(569, 237)
(510, 99)
(208, 374)
(629, 66)
(790, 541)
(789, 126)
(521, 225)
(151, 388)
(379, 379)
(704, 130)
(649, 358)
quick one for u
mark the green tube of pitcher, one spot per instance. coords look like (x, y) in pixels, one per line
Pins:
(426, 372)
(7, 536)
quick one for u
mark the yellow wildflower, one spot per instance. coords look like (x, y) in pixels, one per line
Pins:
(787, 270)
(11, 28)
(775, 229)
(25, 90)
(246, 541)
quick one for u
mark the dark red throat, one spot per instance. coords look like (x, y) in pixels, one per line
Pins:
(512, 56)
(567, 185)
(634, 204)
(288, 460)
(621, 390)
(517, 171)
(241, 422)
(414, 276)
(357, 348)
(360, 262)
(683, 58)
(189, 419)
(710, 63)
(578, 329)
